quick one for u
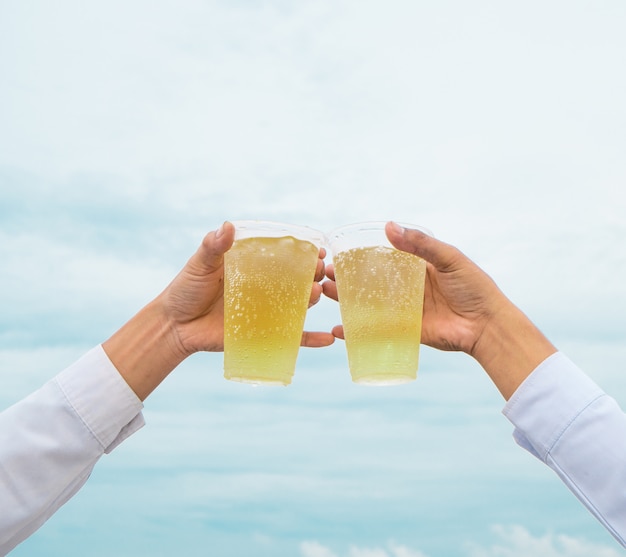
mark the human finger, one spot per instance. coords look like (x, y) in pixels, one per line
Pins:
(316, 294)
(329, 288)
(441, 255)
(316, 339)
(319, 270)
(337, 332)
(214, 246)
(330, 271)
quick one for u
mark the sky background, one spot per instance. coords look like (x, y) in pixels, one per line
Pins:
(130, 129)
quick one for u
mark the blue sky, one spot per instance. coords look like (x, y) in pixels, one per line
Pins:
(129, 129)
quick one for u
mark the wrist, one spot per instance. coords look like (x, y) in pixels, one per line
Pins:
(510, 348)
(146, 349)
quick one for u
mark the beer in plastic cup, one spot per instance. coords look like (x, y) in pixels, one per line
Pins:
(268, 275)
(381, 297)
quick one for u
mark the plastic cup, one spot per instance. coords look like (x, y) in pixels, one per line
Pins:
(381, 297)
(268, 274)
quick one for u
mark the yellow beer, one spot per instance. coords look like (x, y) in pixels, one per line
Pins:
(267, 285)
(381, 296)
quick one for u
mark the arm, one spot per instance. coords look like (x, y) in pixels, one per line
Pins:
(187, 317)
(560, 415)
(50, 441)
(564, 419)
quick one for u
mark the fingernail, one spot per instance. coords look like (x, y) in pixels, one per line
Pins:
(219, 231)
(397, 228)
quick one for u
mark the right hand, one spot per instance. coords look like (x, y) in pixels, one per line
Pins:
(459, 299)
(465, 311)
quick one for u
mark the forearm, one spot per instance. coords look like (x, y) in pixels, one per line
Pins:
(50, 441)
(510, 348)
(567, 421)
(145, 350)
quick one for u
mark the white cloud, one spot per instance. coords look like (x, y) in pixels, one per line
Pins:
(59, 289)
(516, 541)
(513, 541)
(367, 552)
(315, 549)
(404, 551)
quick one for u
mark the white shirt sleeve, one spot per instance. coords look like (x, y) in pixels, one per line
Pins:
(563, 418)
(51, 440)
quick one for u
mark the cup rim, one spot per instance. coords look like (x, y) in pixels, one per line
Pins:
(277, 229)
(373, 225)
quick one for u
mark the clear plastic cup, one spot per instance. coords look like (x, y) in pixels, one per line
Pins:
(381, 297)
(268, 275)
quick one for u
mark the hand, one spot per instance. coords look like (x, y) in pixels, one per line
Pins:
(464, 310)
(194, 301)
(187, 317)
(460, 299)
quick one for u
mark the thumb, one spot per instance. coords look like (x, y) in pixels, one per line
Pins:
(214, 245)
(441, 255)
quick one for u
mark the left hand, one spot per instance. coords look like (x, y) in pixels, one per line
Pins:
(194, 301)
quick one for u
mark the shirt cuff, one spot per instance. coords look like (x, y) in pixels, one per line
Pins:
(548, 402)
(101, 398)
